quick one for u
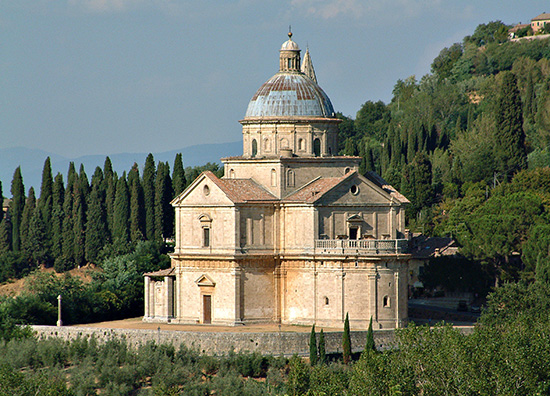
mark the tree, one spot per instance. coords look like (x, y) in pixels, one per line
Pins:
(346, 341)
(370, 339)
(322, 348)
(510, 149)
(37, 240)
(45, 202)
(122, 212)
(110, 181)
(443, 64)
(30, 205)
(66, 261)
(149, 181)
(137, 213)
(96, 227)
(17, 205)
(164, 213)
(179, 182)
(79, 219)
(312, 347)
(56, 239)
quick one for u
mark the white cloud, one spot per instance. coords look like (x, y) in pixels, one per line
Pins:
(106, 5)
(329, 9)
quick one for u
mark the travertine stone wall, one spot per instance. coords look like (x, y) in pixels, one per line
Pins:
(272, 343)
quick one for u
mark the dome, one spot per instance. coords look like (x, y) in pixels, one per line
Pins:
(290, 45)
(290, 95)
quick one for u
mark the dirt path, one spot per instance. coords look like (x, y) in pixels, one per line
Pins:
(137, 323)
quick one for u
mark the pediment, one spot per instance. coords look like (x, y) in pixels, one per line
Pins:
(357, 190)
(203, 191)
(205, 280)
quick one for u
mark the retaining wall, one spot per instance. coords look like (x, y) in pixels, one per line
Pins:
(274, 343)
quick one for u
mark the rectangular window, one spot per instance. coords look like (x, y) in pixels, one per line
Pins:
(206, 237)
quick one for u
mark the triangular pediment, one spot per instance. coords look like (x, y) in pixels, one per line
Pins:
(205, 280)
(205, 190)
(356, 190)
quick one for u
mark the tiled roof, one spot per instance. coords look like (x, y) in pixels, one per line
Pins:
(164, 272)
(424, 247)
(241, 190)
(376, 179)
(316, 189)
(542, 17)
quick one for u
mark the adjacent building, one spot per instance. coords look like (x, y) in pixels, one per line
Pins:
(292, 233)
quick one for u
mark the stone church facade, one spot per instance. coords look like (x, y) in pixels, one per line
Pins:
(292, 233)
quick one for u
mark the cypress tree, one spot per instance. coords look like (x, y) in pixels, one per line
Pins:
(1, 202)
(312, 347)
(5, 235)
(96, 227)
(56, 238)
(109, 181)
(136, 205)
(67, 260)
(28, 211)
(79, 223)
(149, 181)
(322, 348)
(178, 176)
(17, 205)
(37, 244)
(370, 339)
(121, 212)
(163, 210)
(45, 201)
(346, 341)
(509, 135)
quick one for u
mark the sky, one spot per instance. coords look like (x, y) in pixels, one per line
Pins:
(81, 77)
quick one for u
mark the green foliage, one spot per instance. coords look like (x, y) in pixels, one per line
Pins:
(322, 348)
(17, 205)
(313, 357)
(370, 346)
(346, 341)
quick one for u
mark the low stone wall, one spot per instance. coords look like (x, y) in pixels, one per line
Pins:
(274, 343)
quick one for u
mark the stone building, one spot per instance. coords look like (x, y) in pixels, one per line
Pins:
(292, 233)
(540, 21)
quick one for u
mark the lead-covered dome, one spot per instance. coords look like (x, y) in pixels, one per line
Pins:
(290, 93)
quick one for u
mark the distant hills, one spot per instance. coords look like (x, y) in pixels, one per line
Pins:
(32, 161)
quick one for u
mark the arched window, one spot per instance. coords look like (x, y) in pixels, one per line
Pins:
(301, 145)
(326, 301)
(386, 301)
(267, 145)
(290, 178)
(254, 147)
(284, 143)
(317, 147)
(231, 173)
(273, 178)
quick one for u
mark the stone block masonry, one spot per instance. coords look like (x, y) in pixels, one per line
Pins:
(212, 343)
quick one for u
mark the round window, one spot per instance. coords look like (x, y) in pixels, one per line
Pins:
(354, 190)
(206, 190)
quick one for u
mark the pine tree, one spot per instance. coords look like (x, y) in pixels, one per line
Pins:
(346, 341)
(136, 205)
(509, 135)
(312, 347)
(322, 348)
(122, 212)
(149, 181)
(30, 205)
(370, 339)
(17, 205)
(56, 238)
(178, 176)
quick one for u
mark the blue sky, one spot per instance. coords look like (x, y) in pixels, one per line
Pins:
(84, 77)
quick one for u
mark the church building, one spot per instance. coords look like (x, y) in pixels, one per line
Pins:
(292, 233)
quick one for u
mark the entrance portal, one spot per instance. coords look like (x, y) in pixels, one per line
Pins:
(206, 309)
